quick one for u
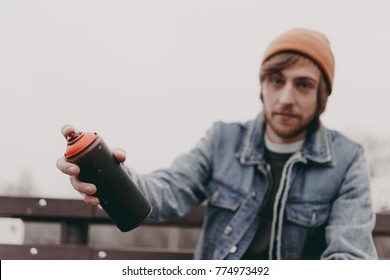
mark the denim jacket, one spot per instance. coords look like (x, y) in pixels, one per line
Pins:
(322, 209)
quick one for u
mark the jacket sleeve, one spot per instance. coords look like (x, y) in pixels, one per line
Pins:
(174, 191)
(349, 233)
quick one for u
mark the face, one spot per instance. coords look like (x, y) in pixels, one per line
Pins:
(290, 101)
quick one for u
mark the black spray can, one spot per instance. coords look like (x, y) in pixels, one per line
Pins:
(118, 194)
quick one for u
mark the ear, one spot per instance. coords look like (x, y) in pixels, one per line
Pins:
(261, 96)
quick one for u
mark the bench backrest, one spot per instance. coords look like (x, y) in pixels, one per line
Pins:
(75, 217)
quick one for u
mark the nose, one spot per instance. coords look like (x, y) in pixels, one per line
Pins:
(286, 94)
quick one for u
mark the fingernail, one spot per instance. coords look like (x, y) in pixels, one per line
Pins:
(90, 189)
(95, 202)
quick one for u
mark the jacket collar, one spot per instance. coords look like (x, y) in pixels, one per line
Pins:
(317, 147)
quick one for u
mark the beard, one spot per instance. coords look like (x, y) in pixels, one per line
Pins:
(286, 123)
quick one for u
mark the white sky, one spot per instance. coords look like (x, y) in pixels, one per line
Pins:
(152, 76)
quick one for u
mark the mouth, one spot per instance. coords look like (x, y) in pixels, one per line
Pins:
(285, 115)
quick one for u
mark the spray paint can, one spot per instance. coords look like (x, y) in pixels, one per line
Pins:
(118, 194)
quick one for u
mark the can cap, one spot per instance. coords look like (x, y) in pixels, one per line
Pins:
(78, 141)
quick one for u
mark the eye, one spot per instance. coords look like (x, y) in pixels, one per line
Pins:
(305, 85)
(276, 80)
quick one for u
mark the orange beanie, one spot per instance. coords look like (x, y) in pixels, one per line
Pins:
(313, 44)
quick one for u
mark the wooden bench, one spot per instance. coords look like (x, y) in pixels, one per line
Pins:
(75, 217)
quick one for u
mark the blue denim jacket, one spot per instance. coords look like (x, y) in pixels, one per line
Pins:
(322, 209)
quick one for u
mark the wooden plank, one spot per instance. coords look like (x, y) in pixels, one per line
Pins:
(61, 252)
(44, 252)
(140, 254)
(33, 208)
(382, 225)
(51, 209)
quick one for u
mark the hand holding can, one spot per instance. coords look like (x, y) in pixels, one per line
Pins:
(118, 194)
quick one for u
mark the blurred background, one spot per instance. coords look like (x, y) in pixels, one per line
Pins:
(152, 76)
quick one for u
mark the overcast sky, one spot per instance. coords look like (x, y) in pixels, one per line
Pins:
(152, 76)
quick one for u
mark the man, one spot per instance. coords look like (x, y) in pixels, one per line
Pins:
(278, 187)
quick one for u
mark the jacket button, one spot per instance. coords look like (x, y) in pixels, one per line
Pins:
(253, 195)
(233, 250)
(227, 230)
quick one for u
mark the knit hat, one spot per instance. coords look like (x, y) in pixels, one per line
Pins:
(310, 43)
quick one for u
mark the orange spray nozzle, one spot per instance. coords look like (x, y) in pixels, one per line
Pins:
(78, 141)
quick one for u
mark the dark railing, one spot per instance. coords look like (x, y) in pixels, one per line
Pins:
(75, 217)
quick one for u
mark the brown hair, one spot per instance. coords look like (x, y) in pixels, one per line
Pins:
(283, 60)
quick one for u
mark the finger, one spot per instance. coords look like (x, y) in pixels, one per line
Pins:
(82, 187)
(67, 129)
(67, 167)
(120, 154)
(93, 200)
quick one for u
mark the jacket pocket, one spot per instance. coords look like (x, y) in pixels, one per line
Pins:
(308, 214)
(224, 201)
(225, 196)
